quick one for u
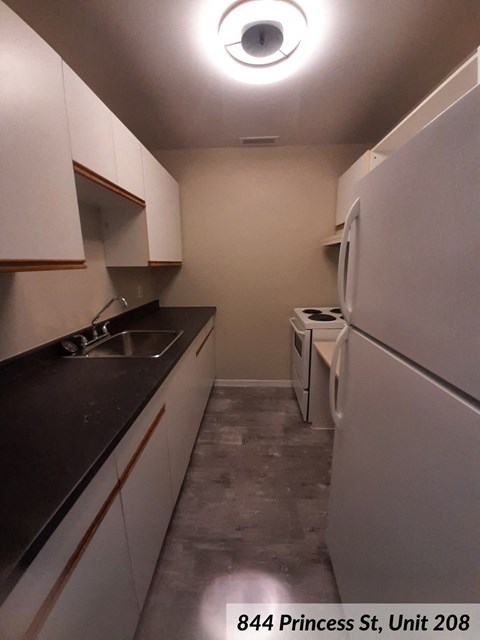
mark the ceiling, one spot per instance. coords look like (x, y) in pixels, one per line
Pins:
(145, 59)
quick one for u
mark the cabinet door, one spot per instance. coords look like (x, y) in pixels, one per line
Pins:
(347, 191)
(128, 159)
(40, 219)
(187, 395)
(98, 601)
(90, 126)
(205, 369)
(144, 471)
(180, 399)
(80, 584)
(163, 212)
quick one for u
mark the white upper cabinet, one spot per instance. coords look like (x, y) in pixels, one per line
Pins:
(347, 191)
(454, 87)
(128, 158)
(163, 212)
(91, 128)
(104, 151)
(40, 221)
(145, 236)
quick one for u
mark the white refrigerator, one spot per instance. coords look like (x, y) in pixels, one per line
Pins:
(404, 516)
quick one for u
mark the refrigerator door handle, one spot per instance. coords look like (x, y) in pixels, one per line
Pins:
(337, 415)
(342, 260)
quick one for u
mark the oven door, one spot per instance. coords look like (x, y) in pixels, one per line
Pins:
(301, 347)
(302, 395)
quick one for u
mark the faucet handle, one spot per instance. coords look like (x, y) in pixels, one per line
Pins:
(105, 330)
(82, 339)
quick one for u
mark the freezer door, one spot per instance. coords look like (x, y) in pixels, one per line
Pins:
(404, 515)
(413, 278)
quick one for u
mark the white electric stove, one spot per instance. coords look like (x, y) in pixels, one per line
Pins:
(311, 324)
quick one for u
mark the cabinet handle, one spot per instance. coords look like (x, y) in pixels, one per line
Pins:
(42, 614)
(342, 338)
(352, 215)
(203, 343)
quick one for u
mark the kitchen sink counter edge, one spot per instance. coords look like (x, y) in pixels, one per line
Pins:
(62, 418)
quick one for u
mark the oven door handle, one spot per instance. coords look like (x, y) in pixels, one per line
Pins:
(352, 215)
(300, 333)
(337, 415)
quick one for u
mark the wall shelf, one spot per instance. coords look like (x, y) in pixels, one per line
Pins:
(332, 240)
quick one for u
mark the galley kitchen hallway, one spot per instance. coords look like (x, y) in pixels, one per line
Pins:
(250, 518)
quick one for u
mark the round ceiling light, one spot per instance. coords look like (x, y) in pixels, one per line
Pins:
(262, 33)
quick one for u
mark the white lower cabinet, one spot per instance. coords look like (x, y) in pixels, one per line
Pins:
(143, 463)
(188, 393)
(80, 584)
(92, 576)
(98, 601)
(206, 367)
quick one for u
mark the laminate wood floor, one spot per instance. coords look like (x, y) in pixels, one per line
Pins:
(250, 520)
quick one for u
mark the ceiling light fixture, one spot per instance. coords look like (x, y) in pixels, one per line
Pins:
(213, 17)
(262, 41)
(262, 32)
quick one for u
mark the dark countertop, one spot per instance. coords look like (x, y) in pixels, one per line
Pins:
(60, 420)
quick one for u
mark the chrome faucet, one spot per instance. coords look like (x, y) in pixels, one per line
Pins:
(104, 327)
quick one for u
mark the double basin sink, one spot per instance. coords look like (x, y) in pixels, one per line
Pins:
(132, 344)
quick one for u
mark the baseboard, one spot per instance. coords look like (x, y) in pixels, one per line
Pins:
(252, 383)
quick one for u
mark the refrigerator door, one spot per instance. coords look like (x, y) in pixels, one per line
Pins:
(413, 278)
(404, 515)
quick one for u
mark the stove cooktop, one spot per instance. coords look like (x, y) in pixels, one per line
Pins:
(320, 317)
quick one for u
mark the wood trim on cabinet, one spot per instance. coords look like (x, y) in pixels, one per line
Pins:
(166, 263)
(204, 341)
(81, 170)
(133, 460)
(42, 614)
(40, 265)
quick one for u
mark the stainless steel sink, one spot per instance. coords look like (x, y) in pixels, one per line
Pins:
(133, 344)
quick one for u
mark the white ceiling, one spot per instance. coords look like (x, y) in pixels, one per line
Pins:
(145, 60)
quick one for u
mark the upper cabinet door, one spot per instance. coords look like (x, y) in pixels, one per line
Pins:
(40, 222)
(347, 191)
(163, 213)
(90, 125)
(128, 158)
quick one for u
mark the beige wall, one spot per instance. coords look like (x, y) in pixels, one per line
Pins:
(252, 222)
(38, 307)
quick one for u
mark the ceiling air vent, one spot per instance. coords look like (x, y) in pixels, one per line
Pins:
(259, 141)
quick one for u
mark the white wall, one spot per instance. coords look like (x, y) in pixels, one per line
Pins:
(252, 222)
(36, 307)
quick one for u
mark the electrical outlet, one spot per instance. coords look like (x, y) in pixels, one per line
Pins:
(140, 291)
